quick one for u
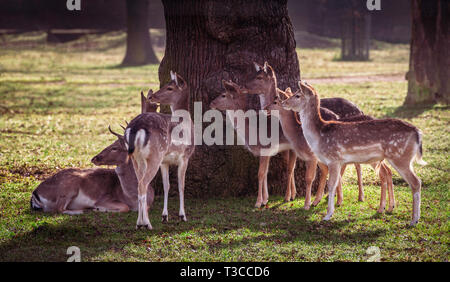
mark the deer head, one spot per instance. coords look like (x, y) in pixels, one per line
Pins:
(174, 93)
(114, 154)
(231, 99)
(146, 105)
(260, 80)
(304, 97)
(279, 98)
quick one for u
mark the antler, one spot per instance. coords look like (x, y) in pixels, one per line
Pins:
(114, 133)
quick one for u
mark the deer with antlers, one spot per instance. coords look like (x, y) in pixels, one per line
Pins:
(155, 141)
(230, 100)
(337, 143)
(74, 191)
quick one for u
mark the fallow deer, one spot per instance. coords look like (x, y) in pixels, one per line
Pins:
(151, 145)
(263, 82)
(293, 130)
(230, 100)
(338, 143)
(73, 191)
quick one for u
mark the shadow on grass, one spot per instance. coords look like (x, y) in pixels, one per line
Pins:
(98, 233)
(412, 111)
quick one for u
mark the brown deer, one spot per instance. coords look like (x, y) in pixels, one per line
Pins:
(73, 190)
(338, 143)
(293, 130)
(153, 142)
(263, 82)
(230, 100)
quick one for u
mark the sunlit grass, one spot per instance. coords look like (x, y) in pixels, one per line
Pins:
(56, 102)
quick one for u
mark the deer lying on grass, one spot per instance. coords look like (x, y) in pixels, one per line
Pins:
(263, 83)
(293, 130)
(150, 142)
(73, 191)
(230, 100)
(338, 143)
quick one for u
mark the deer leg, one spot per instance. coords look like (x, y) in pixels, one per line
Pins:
(291, 170)
(405, 169)
(63, 202)
(109, 205)
(287, 196)
(145, 172)
(339, 191)
(390, 187)
(360, 184)
(322, 182)
(335, 171)
(181, 176)
(73, 212)
(381, 174)
(262, 172)
(310, 174)
(166, 185)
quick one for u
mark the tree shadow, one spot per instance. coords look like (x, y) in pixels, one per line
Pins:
(412, 111)
(97, 233)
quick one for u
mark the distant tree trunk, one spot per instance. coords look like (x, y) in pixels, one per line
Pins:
(356, 25)
(429, 65)
(139, 46)
(208, 41)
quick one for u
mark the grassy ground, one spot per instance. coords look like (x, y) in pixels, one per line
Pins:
(56, 102)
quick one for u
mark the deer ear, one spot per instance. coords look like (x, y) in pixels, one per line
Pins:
(180, 81)
(143, 102)
(173, 77)
(149, 93)
(300, 85)
(257, 66)
(228, 86)
(265, 68)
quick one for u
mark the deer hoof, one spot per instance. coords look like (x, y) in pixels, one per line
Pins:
(165, 218)
(146, 226)
(306, 207)
(380, 210)
(258, 205)
(413, 222)
(183, 218)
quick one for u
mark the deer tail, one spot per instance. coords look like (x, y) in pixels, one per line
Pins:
(419, 159)
(35, 202)
(136, 137)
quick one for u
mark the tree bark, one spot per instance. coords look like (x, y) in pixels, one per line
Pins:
(139, 46)
(208, 41)
(429, 65)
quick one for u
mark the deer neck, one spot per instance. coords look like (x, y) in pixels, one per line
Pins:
(270, 94)
(128, 180)
(182, 103)
(311, 122)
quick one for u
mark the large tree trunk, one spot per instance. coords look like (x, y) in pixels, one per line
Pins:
(429, 67)
(208, 41)
(139, 46)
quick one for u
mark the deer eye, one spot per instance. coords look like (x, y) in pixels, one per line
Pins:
(297, 96)
(224, 96)
(170, 88)
(259, 77)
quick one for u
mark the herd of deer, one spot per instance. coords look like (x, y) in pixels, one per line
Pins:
(329, 133)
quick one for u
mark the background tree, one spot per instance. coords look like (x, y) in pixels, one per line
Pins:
(208, 41)
(429, 65)
(139, 46)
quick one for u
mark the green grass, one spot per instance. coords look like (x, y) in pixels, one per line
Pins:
(56, 102)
